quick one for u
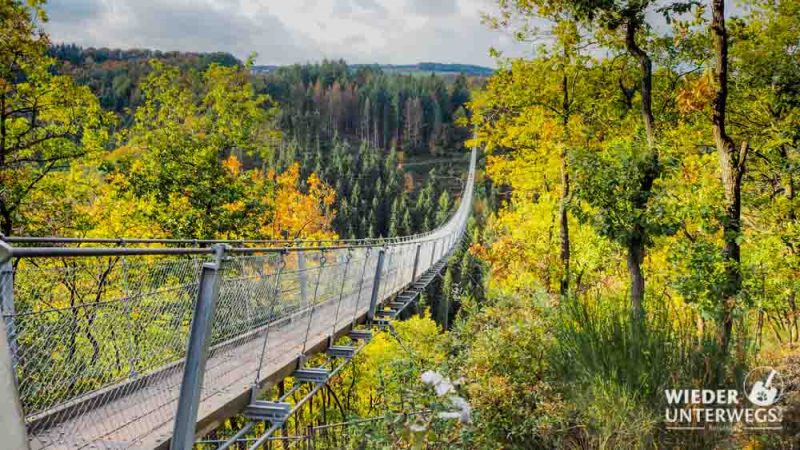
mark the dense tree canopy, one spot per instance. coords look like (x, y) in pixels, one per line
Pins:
(675, 151)
(46, 120)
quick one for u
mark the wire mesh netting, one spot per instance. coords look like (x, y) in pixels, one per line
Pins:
(86, 331)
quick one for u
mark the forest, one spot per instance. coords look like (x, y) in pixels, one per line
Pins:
(649, 152)
(635, 222)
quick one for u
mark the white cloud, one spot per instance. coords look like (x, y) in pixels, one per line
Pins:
(283, 32)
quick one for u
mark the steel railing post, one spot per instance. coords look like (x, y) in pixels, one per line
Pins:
(197, 352)
(386, 281)
(7, 307)
(360, 287)
(416, 264)
(376, 286)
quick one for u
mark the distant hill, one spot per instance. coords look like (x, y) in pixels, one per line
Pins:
(433, 67)
(419, 68)
(114, 74)
(80, 56)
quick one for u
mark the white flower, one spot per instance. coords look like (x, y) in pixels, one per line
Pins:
(417, 427)
(444, 387)
(466, 410)
(440, 384)
(431, 377)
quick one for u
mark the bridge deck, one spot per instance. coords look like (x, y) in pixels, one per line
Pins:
(230, 373)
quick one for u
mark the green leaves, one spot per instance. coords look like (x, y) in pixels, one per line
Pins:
(46, 120)
(609, 194)
(188, 124)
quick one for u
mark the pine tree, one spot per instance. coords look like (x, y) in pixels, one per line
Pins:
(424, 204)
(355, 198)
(464, 270)
(407, 224)
(448, 286)
(394, 219)
(443, 211)
(376, 213)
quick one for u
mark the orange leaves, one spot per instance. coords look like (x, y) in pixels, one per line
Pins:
(408, 182)
(300, 214)
(697, 94)
(319, 190)
(232, 165)
(478, 250)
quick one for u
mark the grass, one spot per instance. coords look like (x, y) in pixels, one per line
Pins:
(613, 371)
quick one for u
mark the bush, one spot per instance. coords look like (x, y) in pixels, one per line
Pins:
(504, 363)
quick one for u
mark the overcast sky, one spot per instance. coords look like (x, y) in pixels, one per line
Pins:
(287, 31)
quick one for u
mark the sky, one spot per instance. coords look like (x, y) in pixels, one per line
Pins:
(288, 31)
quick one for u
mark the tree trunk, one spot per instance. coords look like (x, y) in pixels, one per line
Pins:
(6, 221)
(563, 223)
(646, 66)
(635, 259)
(636, 243)
(732, 168)
(5, 212)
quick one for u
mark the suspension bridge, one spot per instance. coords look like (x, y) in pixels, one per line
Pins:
(148, 343)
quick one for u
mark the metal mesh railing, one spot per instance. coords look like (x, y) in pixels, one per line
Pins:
(85, 332)
(99, 336)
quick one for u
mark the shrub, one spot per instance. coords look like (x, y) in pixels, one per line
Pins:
(505, 368)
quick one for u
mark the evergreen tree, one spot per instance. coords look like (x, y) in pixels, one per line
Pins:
(394, 219)
(443, 210)
(448, 286)
(407, 224)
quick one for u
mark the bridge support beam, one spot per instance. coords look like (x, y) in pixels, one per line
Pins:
(197, 353)
(376, 287)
